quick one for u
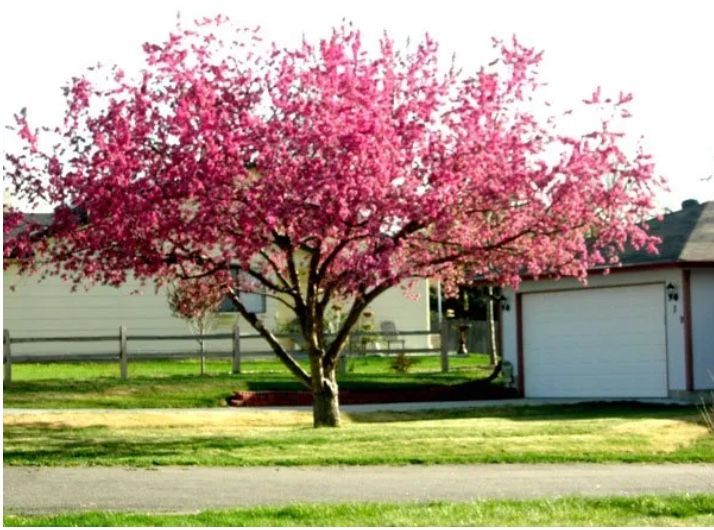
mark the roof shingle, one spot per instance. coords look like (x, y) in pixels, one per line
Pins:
(687, 236)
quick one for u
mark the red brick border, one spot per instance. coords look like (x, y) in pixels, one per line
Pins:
(469, 391)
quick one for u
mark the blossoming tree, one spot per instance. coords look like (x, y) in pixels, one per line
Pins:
(193, 302)
(318, 174)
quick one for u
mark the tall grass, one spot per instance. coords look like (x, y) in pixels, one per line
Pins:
(649, 510)
(707, 409)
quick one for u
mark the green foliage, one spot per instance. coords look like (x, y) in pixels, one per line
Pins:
(402, 363)
(648, 510)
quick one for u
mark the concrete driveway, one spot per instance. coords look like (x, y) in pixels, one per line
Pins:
(189, 489)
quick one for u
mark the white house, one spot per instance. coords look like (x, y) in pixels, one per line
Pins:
(48, 308)
(644, 330)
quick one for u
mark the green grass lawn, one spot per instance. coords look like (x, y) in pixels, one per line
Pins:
(675, 510)
(615, 432)
(177, 383)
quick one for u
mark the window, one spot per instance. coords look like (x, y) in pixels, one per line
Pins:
(253, 302)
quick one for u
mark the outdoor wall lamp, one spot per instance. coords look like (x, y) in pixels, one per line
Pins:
(503, 301)
(672, 293)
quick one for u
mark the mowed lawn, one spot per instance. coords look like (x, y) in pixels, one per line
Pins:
(177, 384)
(649, 510)
(599, 432)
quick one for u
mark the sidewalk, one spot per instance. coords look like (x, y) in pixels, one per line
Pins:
(189, 489)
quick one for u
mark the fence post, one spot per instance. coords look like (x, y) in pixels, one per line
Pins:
(444, 332)
(7, 356)
(123, 354)
(235, 369)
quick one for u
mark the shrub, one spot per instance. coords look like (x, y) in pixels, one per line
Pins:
(401, 363)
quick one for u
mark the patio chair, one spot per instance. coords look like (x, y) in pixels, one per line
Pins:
(390, 334)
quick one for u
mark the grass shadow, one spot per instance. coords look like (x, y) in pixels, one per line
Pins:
(97, 447)
(573, 411)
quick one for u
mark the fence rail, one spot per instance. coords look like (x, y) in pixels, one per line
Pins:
(358, 344)
(122, 354)
(27, 340)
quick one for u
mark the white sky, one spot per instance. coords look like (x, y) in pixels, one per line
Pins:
(663, 52)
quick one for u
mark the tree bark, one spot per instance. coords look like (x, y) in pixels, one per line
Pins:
(325, 403)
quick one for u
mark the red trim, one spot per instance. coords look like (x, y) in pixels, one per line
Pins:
(687, 316)
(519, 344)
(579, 287)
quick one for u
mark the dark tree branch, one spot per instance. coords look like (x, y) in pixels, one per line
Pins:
(295, 281)
(334, 253)
(273, 297)
(358, 305)
(313, 323)
(267, 282)
(278, 272)
(284, 356)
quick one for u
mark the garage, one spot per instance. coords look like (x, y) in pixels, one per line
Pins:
(600, 342)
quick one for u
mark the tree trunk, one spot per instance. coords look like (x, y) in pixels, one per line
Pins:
(325, 404)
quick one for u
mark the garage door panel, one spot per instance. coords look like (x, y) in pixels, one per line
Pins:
(623, 354)
(566, 348)
(595, 343)
(643, 332)
(628, 368)
(611, 387)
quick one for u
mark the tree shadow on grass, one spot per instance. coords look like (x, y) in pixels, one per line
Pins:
(90, 445)
(573, 411)
(55, 444)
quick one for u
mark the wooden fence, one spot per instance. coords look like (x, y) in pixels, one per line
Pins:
(449, 341)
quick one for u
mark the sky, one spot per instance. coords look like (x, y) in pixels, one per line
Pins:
(662, 52)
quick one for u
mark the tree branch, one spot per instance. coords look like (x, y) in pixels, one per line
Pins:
(267, 282)
(275, 267)
(327, 262)
(271, 296)
(284, 356)
(313, 326)
(358, 305)
(295, 280)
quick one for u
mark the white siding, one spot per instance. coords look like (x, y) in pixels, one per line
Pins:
(702, 289)
(49, 308)
(408, 309)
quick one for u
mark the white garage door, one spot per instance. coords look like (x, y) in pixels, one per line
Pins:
(595, 343)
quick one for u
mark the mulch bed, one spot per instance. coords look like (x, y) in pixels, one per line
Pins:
(463, 392)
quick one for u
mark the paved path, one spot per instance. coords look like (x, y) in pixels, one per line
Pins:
(189, 489)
